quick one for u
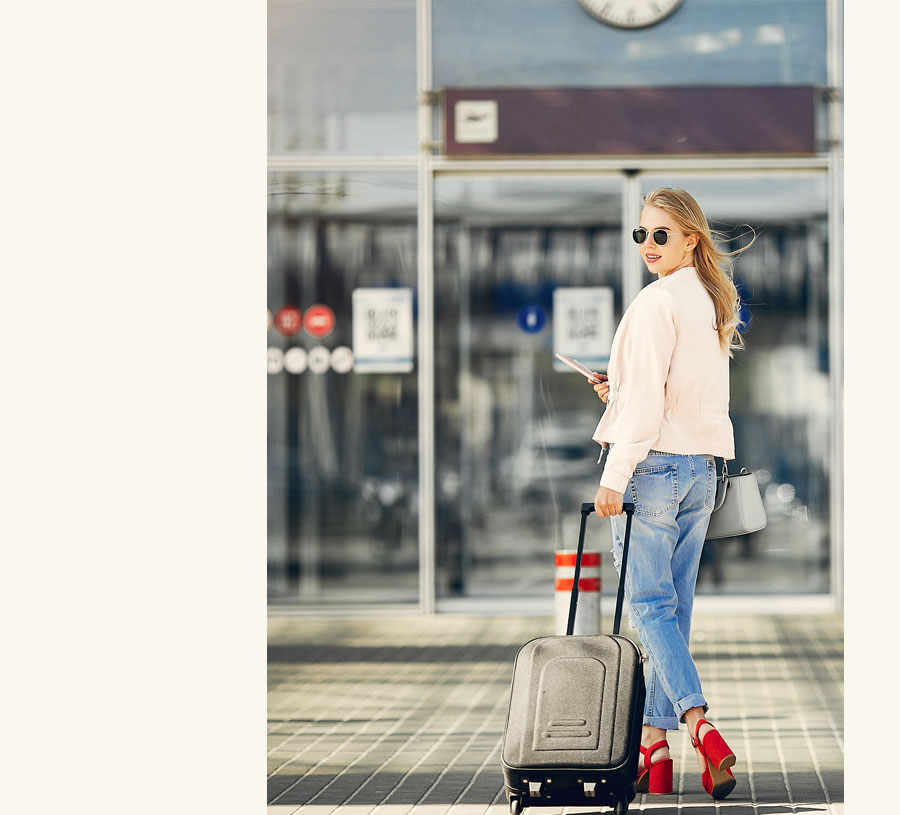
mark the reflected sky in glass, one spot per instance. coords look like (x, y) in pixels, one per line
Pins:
(548, 43)
(546, 200)
(377, 195)
(742, 197)
(342, 76)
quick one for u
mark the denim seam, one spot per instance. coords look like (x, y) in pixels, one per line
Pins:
(662, 722)
(678, 712)
(682, 707)
(659, 468)
(648, 470)
(710, 484)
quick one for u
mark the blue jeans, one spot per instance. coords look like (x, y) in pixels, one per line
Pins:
(673, 497)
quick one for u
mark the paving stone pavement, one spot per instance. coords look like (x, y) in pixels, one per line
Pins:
(404, 715)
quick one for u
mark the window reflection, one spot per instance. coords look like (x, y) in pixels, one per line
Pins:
(342, 76)
(780, 404)
(515, 458)
(486, 43)
(342, 446)
(513, 435)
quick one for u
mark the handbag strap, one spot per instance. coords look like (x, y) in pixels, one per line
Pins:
(721, 482)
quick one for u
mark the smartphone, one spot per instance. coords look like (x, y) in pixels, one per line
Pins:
(575, 365)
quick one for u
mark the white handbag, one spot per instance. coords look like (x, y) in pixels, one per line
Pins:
(739, 508)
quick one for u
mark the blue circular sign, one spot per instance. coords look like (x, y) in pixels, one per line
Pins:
(532, 319)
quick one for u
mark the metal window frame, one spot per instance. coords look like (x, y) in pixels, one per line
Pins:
(425, 362)
(834, 11)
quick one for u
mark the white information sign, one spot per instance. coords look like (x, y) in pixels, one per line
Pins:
(318, 359)
(583, 326)
(342, 360)
(295, 360)
(382, 331)
(475, 121)
(274, 360)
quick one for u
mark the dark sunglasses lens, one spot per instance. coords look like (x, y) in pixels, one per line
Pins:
(660, 237)
(639, 235)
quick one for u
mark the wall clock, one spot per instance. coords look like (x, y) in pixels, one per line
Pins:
(630, 13)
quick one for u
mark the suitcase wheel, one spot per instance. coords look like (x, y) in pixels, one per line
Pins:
(515, 804)
(621, 807)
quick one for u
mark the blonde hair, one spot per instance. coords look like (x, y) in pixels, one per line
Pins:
(714, 267)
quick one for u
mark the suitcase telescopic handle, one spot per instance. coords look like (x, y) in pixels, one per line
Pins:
(587, 509)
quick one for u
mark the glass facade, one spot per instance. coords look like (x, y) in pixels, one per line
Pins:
(780, 404)
(342, 77)
(343, 462)
(555, 43)
(514, 434)
(511, 452)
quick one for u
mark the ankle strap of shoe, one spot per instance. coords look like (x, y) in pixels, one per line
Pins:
(648, 750)
(695, 739)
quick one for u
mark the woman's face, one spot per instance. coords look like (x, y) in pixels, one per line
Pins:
(675, 253)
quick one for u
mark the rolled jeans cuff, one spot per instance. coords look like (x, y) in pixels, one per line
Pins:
(684, 705)
(662, 722)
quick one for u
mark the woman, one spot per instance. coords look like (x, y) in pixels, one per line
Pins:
(666, 417)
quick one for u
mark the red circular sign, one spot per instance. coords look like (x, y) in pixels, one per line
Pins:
(288, 320)
(318, 321)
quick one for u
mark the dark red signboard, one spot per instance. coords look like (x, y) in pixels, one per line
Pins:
(288, 320)
(640, 121)
(318, 321)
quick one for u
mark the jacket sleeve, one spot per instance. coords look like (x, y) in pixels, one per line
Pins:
(640, 390)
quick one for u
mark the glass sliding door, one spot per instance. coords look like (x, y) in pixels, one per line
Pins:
(780, 395)
(514, 457)
(342, 430)
(514, 452)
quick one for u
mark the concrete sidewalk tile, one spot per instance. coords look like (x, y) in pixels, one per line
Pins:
(387, 716)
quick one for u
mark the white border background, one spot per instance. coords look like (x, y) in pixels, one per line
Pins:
(134, 419)
(871, 396)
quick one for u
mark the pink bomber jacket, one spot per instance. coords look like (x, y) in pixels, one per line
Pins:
(668, 379)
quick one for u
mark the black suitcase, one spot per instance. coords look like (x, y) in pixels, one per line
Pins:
(576, 707)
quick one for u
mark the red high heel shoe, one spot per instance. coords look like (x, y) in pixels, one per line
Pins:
(717, 778)
(656, 776)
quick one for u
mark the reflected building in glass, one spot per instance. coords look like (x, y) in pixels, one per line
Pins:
(441, 174)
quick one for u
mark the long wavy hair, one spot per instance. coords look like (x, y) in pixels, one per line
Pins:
(713, 265)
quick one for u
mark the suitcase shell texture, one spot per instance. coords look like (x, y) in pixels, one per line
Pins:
(574, 723)
(575, 714)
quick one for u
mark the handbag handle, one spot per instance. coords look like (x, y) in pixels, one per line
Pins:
(722, 479)
(721, 482)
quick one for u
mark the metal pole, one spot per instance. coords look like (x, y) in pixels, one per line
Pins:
(467, 490)
(834, 14)
(529, 168)
(631, 260)
(580, 166)
(425, 334)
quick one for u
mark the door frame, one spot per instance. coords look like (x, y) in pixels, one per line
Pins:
(630, 172)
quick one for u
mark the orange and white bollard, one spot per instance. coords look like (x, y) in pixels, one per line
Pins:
(587, 615)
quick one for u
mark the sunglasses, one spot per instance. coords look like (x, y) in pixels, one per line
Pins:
(660, 236)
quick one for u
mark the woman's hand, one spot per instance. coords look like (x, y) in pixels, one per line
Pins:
(602, 390)
(608, 502)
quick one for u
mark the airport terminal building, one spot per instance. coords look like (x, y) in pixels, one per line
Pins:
(452, 186)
